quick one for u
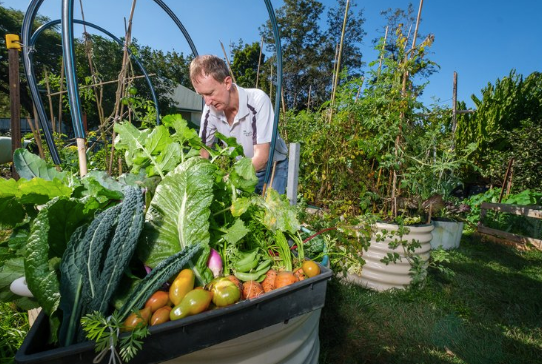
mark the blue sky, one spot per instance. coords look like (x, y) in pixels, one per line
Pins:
(482, 40)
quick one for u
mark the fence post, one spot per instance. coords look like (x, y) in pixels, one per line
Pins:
(13, 45)
(293, 173)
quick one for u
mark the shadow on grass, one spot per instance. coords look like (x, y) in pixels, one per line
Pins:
(490, 312)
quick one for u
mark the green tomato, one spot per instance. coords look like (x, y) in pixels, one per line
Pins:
(125, 101)
(194, 302)
(132, 90)
(225, 292)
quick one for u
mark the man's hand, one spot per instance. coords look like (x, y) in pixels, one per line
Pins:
(204, 153)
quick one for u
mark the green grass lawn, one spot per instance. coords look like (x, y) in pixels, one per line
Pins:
(489, 312)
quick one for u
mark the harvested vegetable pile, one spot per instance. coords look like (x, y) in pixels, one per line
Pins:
(175, 237)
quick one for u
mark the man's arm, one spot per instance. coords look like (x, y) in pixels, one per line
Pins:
(261, 155)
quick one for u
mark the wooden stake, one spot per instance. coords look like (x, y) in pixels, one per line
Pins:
(454, 107)
(259, 62)
(36, 131)
(382, 51)
(121, 80)
(47, 86)
(81, 152)
(61, 88)
(228, 62)
(506, 177)
(347, 7)
(15, 101)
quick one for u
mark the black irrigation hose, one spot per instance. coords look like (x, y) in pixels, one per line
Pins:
(179, 25)
(72, 85)
(118, 40)
(279, 89)
(34, 92)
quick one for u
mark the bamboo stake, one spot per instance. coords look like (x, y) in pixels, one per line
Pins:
(282, 97)
(48, 87)
(403, 92)
(506, 177)
(340, 52)
(309, 98)
(14, 98)
(61, 87)
(271, 83)
(405, 75)
(259, 62)
(98, 95)
(36, 131)
(228, 62)
(121, 79)
(382, 52)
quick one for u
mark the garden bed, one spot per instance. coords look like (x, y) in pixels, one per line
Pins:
(175, 338)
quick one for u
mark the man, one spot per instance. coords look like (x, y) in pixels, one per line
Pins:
(245, 114)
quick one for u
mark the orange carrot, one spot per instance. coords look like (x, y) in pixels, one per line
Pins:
(252, 289)
(285, 278)
(268, 283)
(300, 274)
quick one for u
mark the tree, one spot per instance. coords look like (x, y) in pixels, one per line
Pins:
(245, 63)
(46, 54)
(507, 108)
(308, 52)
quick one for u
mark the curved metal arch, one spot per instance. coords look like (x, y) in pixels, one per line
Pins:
(278, 48)
(34, 93)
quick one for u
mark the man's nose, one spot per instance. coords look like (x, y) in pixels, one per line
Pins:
(207, 100)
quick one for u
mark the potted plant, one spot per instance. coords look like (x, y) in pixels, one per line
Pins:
(411, 162)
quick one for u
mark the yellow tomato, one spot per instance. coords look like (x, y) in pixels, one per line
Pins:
(183, 283)
(310, 268)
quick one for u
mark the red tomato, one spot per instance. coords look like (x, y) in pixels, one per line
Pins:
(158, 300)
(160, 316)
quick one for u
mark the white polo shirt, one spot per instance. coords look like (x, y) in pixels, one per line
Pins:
(252, 125)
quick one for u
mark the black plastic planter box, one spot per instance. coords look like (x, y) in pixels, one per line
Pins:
(176, 338)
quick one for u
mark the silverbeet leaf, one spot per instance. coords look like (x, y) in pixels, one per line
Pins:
(178, 215)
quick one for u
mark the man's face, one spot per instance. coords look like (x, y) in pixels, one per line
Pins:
(214, 93)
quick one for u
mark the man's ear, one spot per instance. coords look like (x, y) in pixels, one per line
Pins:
(228, 81)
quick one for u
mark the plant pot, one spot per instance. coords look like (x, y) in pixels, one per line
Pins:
(292, 311)
(447, 234)
(377, 275)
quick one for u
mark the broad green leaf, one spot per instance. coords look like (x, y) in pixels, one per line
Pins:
(10, 270)
(15, 194)
(178, 215)
(279, 214)
(242, 204)
(167, 160)
(236, 232)
(147, 149)
(243, 175)
(29, 165)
